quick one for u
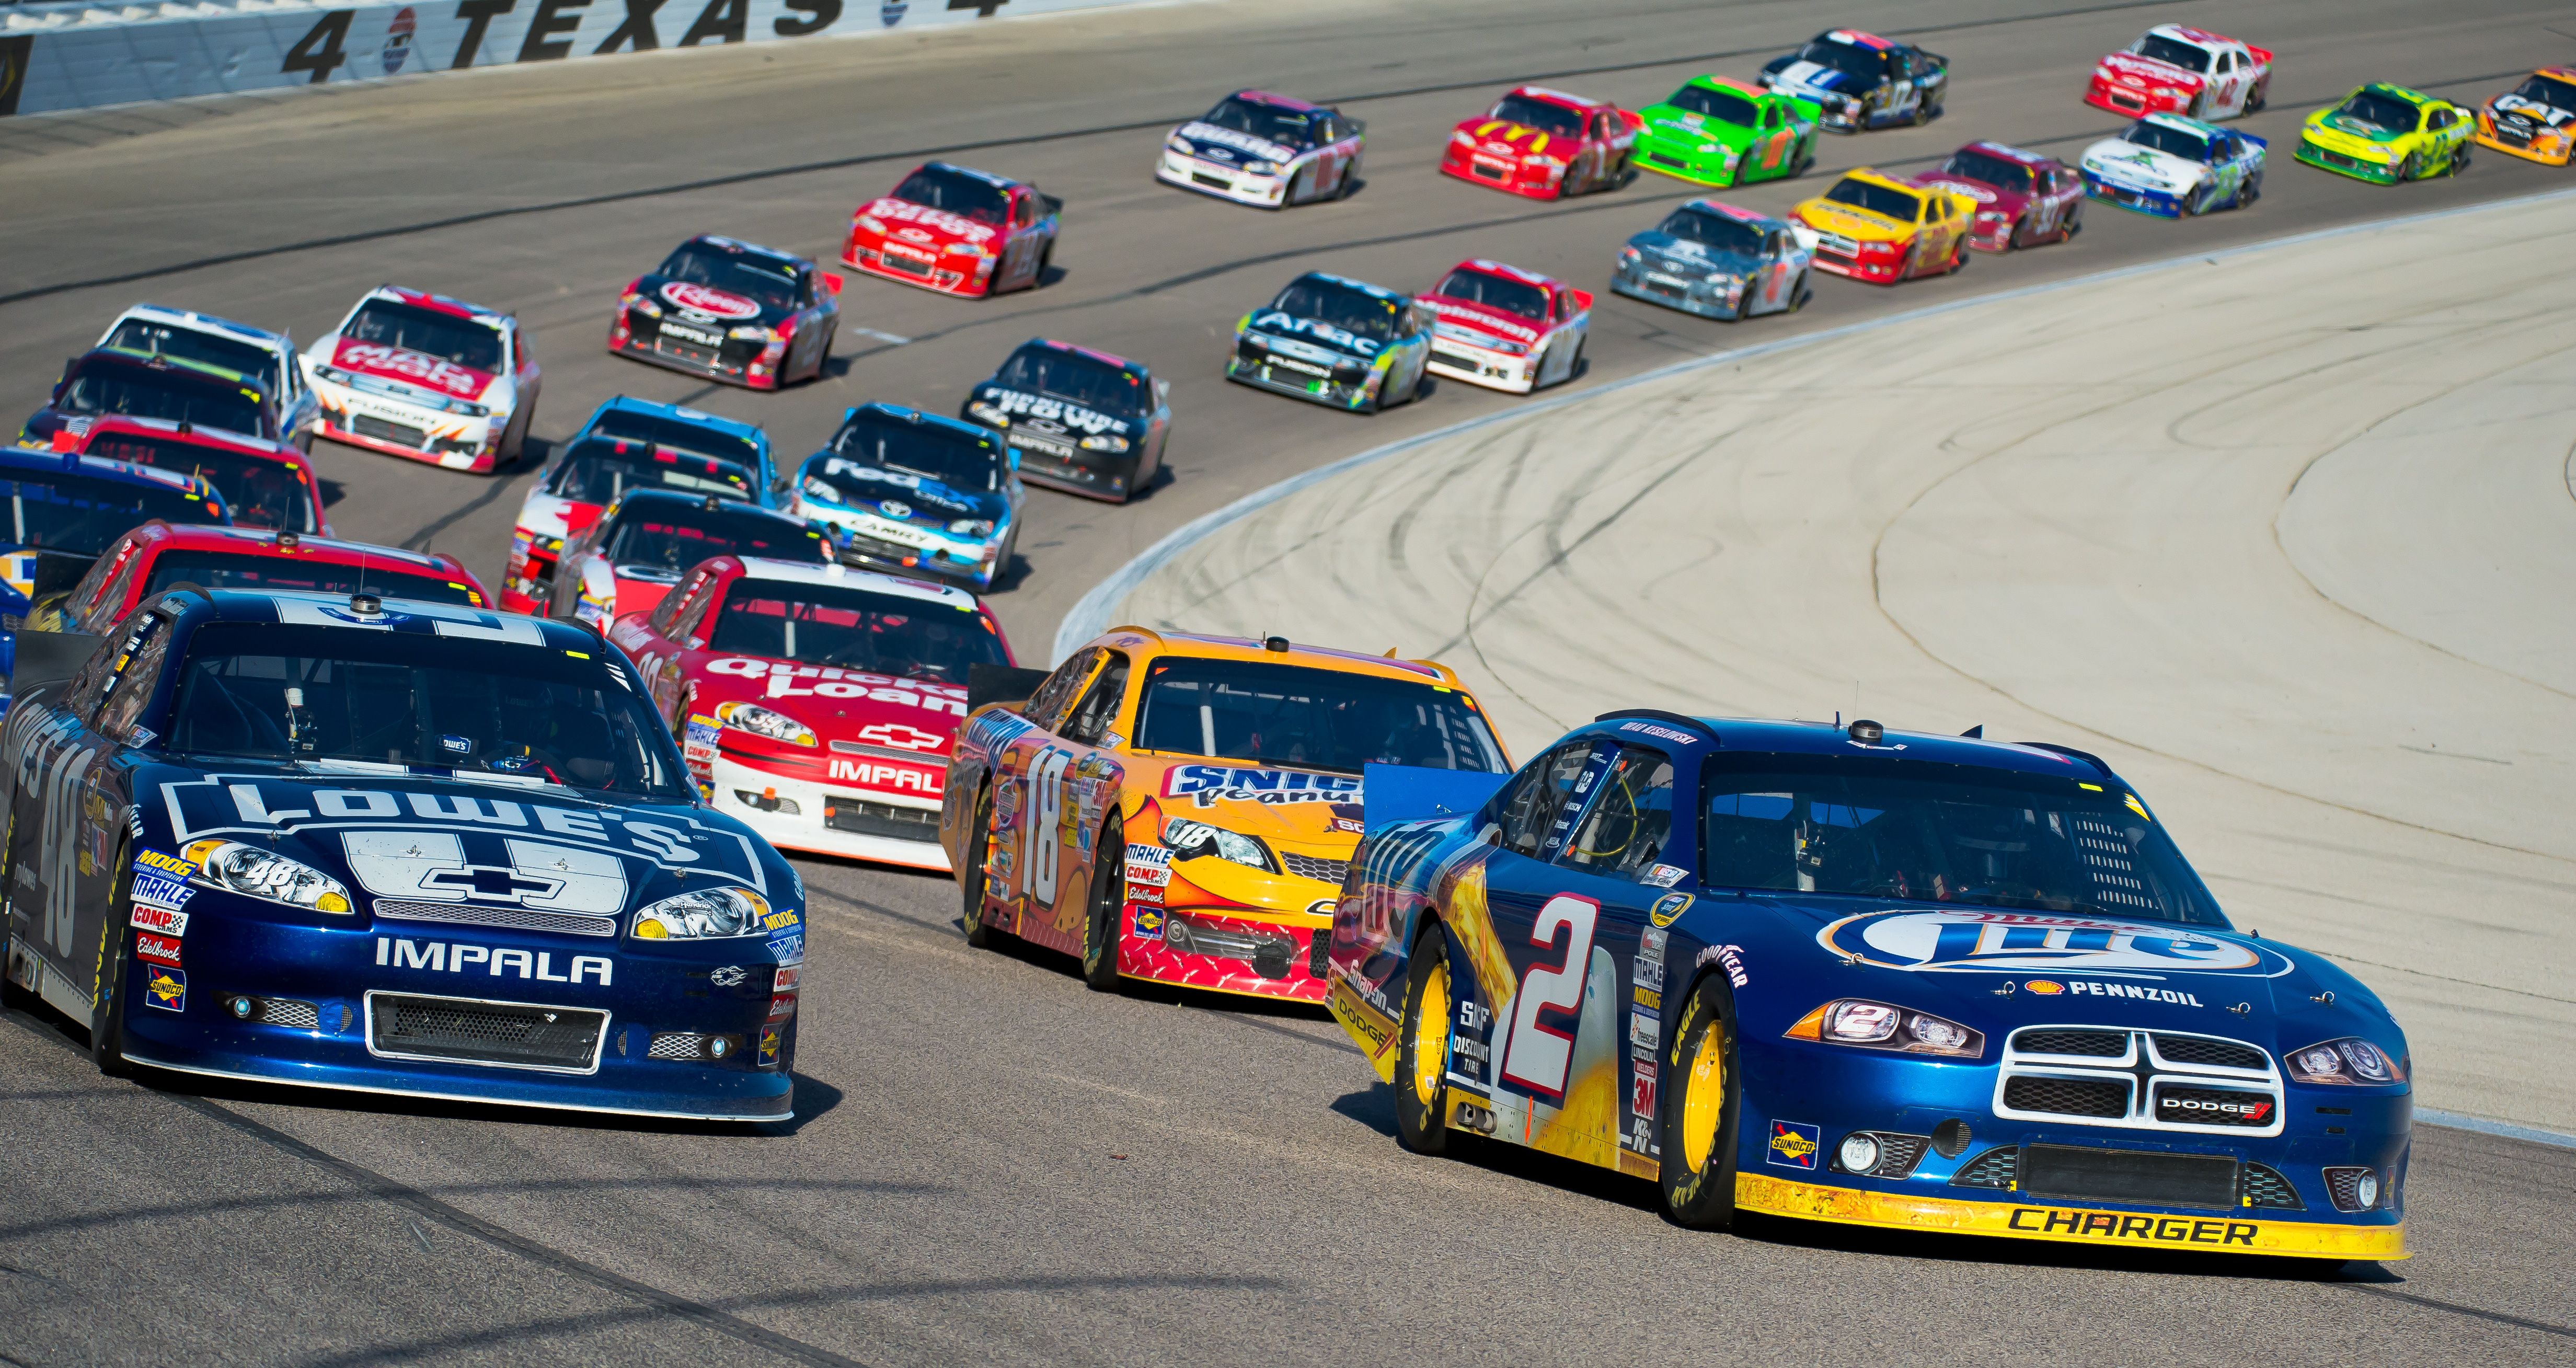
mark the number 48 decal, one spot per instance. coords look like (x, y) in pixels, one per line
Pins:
(1536, 1056)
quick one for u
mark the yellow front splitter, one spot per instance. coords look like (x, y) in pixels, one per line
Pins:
(2228, 1234)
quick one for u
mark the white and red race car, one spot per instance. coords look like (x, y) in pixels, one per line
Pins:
(428, 377)
(1505, 328)
(817, 703)
(2175, 69)
(956, 230)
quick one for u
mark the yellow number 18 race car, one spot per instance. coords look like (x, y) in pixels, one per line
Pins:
(1183, 808)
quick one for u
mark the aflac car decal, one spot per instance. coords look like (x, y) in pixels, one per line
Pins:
(2026, 942)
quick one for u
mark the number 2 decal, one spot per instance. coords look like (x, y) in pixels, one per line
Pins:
(1039, 848)
(1536, 1056)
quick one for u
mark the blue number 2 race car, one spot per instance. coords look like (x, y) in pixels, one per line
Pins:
(395, 847)
(1920, 982)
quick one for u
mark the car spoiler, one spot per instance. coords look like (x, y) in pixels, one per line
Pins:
(42, 658)
(1404, 793)
(1000, 684)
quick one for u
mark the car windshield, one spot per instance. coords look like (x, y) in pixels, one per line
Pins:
(1899, 205)
(1933, 832)
(824, 624)
(429, 332)
(1270, 123)
(1999, 172)
(2188, 146)
(1366, 316)
(188, 344)
(666, 538)
(756, 275)
(81, 514)
(678, 435)
(1715, 231)
(1851, 59)
(493, 710)
(1311, 718)
(960, 459)
(235, 570)
(2379, 111)
(2548, 90)
(601, 469)
(1725, 106)
(1500, 293)
(1539, 114)
(2156, 47)
(968, 197)
(1085, 380)
(258, 491)
(134, 390)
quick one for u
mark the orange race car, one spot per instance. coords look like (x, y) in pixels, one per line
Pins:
(1870, 227)
(1183, 808)
(2534, 120)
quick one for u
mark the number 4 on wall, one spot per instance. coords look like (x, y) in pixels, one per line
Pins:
(1536, 1056)
(319, 50)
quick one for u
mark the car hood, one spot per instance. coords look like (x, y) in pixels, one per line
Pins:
(2134, 164)
(852, 711)
(2151, 70)
(2514, 107)
(919, 223)
(445, 378)
(1475, 323)
(1301, 807)
(1673, 122)
(1039, 409)
(1314, 334)
(2002, 201)
(2327, 126)
(919, 499)
(1862, 225)
(709, 307)
(1212, 139)
(1805, 75)
(1696, 254)
(422, 838)
(1504, 138)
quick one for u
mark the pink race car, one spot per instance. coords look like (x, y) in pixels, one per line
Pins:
(2023, 198)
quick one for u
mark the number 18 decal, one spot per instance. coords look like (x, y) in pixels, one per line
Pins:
(1536, 1056)
(1040, 848)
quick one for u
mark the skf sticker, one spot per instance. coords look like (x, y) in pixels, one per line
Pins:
(1644, 1032)
(154, 862)
(1670, 907)
(161, 919)
(1149, 924)
(1794, 1144)
(768, 1047)
(167, 989)
(1664, 876)
(158, 949)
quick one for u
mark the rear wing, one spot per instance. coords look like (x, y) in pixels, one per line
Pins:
(1405, 793)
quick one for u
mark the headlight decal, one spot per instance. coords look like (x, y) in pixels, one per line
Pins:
(264, 874)
(710, 914)
(1867, 1024)
(1191, 840)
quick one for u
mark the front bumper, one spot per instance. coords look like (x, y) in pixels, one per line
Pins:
(2549, 148)
(1298, 379)
(383, 423)
(2133, 103)
(2345, 164)
(1841, 256)
(977, 563)
(2222, 1232)
(931, 270)
(1699, 168)
(1483, 366)
(1227, 950)
(1674, 292)
(1495, 173)
(1107, 475)
(2154, 203)
(824, 818)
(1221, 180)
(733, 360)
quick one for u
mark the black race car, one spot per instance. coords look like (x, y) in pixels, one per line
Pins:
(731, 311)
(392, 847)
(1862, 81)
(1077, 419)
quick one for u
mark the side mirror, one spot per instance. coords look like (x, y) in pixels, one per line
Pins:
(831, 282)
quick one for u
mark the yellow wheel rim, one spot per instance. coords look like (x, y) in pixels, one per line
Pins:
(1431, 1036)
(1703, 1097)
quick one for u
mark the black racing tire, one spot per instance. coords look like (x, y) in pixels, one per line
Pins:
(2460, 159)
(1350, 177)
(108, 1004)
(1100, 932)
(979, 851)
(1574, 363)
(2012, 237)
(2198, 204)
(1958, 257)
(2073, 224)
(2413, 169)
(1702, 1101)
(2249, 192)
(2199, 103)
(1803, 291)
(832, 334)
(1422, 1083)
(1804, 160)
(2254, 98)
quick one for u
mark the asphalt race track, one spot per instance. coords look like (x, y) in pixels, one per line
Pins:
(991, 1164)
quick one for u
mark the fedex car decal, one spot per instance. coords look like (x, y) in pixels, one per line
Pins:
(2023, 942)
(1208, 783)
(715, 303)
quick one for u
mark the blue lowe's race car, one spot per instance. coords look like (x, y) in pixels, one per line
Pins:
(393, 847)
(1890, 979)
(1333, 341)
(914, 493)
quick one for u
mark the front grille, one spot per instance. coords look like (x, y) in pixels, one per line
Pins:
(1458, 359)
(2101, 1044)
(2147, 1177)
(2225, 1054)
(688, 1045)
(399, 434)
(2212, 1107)
(2263, 1186)
(521, 918)
(909, 265)
(2510, 137)
(301, 1016)
(861, 817)
(511, 1034)
(1490, 170)
(693, 354)
(1996, 1168)
(1319, 955)
(1660, 159)
(2348, 163)
(1318, 869)
(1198, 939)
(1218, 182)
(2067, 1096)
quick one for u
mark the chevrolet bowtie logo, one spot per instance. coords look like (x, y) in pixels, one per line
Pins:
(488, 881)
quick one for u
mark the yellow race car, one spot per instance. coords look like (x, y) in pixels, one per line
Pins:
(1182, 809)
(1872, 228)
(2385, 133)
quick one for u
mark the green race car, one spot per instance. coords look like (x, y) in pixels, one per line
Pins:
(2384, 134)
(1720, 132)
